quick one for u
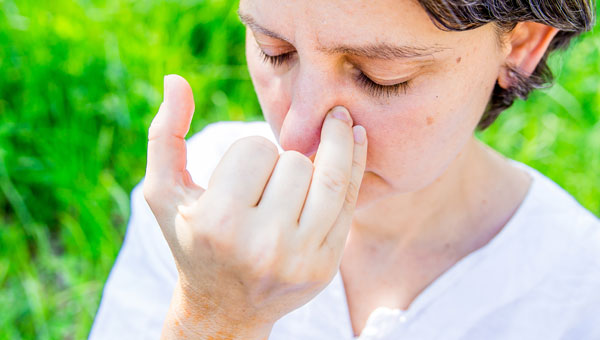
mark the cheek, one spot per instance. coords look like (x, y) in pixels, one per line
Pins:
(402, 134)
(413, 138)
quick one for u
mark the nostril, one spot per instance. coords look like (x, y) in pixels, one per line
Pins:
(301, 133)
(300, 142)
(310, 154)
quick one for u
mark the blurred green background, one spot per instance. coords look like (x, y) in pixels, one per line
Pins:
(80, 83)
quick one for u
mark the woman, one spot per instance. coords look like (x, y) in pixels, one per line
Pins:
(383, 216)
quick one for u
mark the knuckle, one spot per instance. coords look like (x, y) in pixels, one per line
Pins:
(154, 131)
(256, 143)
(297, 159)
(352, 193)
(357, 164)
(333, 179)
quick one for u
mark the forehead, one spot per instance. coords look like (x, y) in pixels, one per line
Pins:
(329, 21)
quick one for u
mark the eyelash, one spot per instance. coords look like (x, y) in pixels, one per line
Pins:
(374, 89)
(276, 60)
(378, 90)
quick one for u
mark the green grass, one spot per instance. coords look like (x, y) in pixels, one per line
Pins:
(80, 83)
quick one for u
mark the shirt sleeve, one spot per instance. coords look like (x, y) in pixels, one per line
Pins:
(138, 291)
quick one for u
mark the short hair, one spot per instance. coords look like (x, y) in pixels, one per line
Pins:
(571, 17)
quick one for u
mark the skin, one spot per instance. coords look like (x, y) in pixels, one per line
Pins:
(431, 194)
(392, 214)
(264, 237)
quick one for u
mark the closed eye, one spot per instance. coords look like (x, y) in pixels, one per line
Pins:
(276, 60)
(374, 89)
(378, 90)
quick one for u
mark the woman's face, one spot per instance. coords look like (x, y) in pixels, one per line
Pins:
(417, 90)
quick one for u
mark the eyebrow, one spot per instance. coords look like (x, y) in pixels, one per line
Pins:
(250, 22)
(375, 51)
(382, 51)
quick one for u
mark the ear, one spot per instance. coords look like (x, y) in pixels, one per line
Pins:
(526, 43)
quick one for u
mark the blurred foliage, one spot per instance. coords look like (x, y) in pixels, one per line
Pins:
(80, 83)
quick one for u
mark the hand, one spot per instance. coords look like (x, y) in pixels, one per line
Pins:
(267, 234)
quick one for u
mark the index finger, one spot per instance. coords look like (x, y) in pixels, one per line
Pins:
(166, 164)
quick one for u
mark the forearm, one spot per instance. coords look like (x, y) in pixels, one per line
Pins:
(186, 321)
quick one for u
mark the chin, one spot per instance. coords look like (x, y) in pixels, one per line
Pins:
(373, 189)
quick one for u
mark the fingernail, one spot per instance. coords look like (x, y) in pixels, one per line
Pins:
(360, 134)
(341, 113)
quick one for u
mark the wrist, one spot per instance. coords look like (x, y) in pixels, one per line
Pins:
(192, 318)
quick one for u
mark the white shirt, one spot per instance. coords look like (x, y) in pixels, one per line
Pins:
(539, 278)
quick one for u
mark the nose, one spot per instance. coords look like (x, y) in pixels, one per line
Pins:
(313, 95)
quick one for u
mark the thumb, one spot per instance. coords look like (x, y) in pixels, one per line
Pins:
(179, 104)
(167, 158)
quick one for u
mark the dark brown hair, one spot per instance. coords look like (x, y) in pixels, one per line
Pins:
(571, 17)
